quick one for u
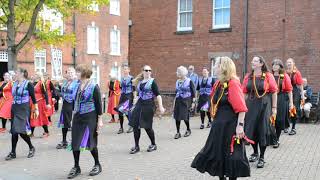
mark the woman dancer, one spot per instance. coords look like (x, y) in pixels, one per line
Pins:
(113, 97)
(43, 104)
(68, 92)
(285, 101)
(297, 92)
(219, 157)
(50, 91)
(258, 86)
(142, 115)
(22, 90)
(126, 98)
(5, 100)
(86, 121)
(204, 87)
(184, 101)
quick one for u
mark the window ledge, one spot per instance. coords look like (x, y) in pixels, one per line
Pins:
(184, 32)
(220, 30)
(114, 14)
(93, 53)
(114, 54)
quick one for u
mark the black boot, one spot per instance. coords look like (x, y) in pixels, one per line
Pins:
(31, 152)
(11, 156)
(74, 172)
(95, 170)
(134, 150)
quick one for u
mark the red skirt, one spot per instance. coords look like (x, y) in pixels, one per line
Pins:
(5, 108)
(112, 103)
(51, 102)
(42, 118)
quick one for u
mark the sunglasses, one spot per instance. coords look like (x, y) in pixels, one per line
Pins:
(147, 70)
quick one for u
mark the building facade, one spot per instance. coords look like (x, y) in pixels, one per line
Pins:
(166, 34)
(101, 42)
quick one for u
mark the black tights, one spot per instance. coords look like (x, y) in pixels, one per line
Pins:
(178, 125)
(45, 128)
(121, 118)
(203, 115)
(64, 135)
(94, 153)
(278, 132)
(262, 149)
(137, 133)
(4, 122)
(294, 121)
(14, 141)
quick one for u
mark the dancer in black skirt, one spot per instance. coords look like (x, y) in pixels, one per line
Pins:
(143, 112)
(258, 87)
(184, 101)
(87, 121)
(297, 92)
(20, 125)
(204, 88)
(68, 92)
(126, 98)
(285, 101)
(219, 157)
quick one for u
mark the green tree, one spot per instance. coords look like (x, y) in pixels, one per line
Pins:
(22, 16)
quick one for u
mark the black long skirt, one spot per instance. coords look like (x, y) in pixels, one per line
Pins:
(66, 115)
(215, 157)
(142, 114)
(282, 120)
(123, 99)
(297, 101)
(20, 122)
(257, 121)
(181, 109)
(84, 131)
(203, 99)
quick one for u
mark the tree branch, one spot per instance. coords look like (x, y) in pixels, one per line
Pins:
(32, 26)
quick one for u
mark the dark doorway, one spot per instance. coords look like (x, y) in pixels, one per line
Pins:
(3, 69)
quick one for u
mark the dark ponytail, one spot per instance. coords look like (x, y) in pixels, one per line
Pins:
(24, 72)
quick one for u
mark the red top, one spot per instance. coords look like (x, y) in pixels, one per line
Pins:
(38, 91)
(286, 83)
(7, 91)
(296, 78)
(270, 84)
(48, 88)
(235, 95)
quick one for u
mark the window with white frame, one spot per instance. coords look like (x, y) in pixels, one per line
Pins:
(54, 18)
(95, 73)
(3, 56)
(115, 7)
(184, 22)
(94, 6)
(40, 60)
(221, 14)
(116, 71)
(115, 41)
(56, 63)
(92, 39)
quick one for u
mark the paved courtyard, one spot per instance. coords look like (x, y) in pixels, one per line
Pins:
(297, 158)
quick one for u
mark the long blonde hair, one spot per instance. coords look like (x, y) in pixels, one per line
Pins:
(227, 68)
(139, 77)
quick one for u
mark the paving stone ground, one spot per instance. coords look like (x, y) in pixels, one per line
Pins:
(297, 158)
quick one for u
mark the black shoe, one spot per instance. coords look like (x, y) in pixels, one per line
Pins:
(253, 158)
(74, 172)
(286, 130)
(188, 133)
(11, 156)
(202, 126)
(276, 145)
(134, 150)
(260, 163)
(177, 136)
(120, 131)
(209, 125)
(130, 130)
(95, 170)
(292, 132)
(152, 148)
(31, 152)
(62, 145)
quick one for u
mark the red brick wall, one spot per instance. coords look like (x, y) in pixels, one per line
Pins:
(153, 40)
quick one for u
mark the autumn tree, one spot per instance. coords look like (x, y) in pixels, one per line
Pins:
(24, 16)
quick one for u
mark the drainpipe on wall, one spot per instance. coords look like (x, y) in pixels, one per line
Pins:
(245, 39)
(74, 31)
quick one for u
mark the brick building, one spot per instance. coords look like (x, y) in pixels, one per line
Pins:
(101, 42)
(166, 34)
